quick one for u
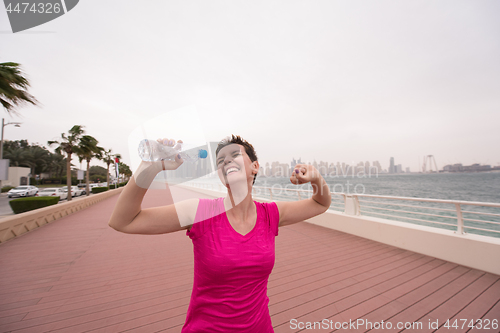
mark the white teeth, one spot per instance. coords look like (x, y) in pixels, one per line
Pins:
(228, 171)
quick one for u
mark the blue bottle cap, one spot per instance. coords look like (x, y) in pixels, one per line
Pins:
(202, 153)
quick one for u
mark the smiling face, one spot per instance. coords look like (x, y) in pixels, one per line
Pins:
(234, 166)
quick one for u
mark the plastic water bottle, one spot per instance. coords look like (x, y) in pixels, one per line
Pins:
(153, 151)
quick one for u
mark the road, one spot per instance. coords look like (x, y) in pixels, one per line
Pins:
(5, 209)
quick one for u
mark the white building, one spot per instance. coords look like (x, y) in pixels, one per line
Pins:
(17, 176)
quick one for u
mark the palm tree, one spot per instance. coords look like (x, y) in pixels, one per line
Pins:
(21, 153)
(69, 145)
(16, 157)
(13, 87)
(56, 164)
(37, 159)
(109, 158)
(87, 150)
(124, 170)
(128, 173)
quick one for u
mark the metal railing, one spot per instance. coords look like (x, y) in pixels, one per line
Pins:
(447, 214)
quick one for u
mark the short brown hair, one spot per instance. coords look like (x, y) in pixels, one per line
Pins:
(240, 141)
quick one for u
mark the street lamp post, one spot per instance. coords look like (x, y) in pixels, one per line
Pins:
(1, 141)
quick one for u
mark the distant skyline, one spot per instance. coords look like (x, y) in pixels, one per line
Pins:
(323, 80)
(404, 169)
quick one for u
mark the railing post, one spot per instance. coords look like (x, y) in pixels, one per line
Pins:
(298, 192)
(271, 193)
(460, 220)
(351, 206)
(357, 207)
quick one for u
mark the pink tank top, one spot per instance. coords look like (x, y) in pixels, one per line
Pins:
(231, 271)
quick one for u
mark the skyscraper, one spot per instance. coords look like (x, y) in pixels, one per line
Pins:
(377, 168)
(391, 166)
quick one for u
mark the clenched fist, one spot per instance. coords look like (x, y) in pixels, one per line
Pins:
(304, 173)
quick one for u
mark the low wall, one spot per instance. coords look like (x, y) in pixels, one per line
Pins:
(16, 225)
(475, 251)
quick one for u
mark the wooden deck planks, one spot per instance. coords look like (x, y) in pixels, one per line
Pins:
(79, 275)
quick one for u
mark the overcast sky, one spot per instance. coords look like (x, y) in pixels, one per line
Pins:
(327, 80)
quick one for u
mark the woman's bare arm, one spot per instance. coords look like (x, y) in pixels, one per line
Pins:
(128, 217)
(296, 211)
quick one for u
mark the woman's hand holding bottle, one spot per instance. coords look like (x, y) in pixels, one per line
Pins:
(147, 171)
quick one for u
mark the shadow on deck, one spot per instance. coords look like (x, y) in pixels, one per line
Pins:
(79, 275)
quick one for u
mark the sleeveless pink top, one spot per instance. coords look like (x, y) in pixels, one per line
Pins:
(231, 271)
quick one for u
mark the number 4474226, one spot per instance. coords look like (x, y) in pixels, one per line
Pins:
(485, 324)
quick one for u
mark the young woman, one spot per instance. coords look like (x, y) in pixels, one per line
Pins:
(233, 236)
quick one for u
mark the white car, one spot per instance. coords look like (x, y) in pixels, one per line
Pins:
(22, 191)
(91, 186)
(76, 191)
(53, 192)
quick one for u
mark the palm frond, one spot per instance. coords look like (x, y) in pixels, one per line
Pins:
(13, 87)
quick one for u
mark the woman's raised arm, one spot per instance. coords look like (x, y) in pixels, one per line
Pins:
(128, 217)
(296, 211)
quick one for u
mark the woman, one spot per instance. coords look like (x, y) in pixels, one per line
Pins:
(233, 237)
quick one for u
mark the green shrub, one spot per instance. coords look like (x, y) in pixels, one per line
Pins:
(7, 189)
(99, 189)
(26, 204)
(122, 184)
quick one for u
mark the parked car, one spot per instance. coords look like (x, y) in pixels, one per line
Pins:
(92, 186)
(83, 187)
(76, 191)
(54, 191)
(22, 191)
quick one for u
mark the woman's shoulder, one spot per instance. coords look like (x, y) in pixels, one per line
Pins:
(206, 211)
(266, 205)
(271, 214)
(208, 208)
(271, 207)
(203, 202)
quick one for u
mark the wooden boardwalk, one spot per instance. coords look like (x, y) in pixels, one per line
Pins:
(79, 275)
